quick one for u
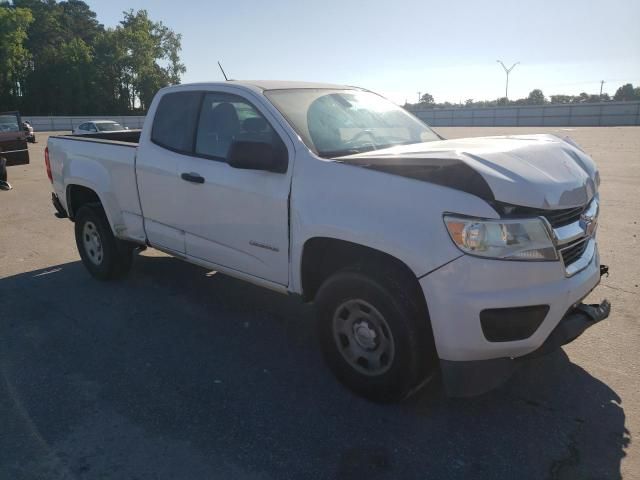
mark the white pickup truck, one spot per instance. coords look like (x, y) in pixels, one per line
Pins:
(423, 255)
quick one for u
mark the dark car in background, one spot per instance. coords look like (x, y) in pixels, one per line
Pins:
(13, 139)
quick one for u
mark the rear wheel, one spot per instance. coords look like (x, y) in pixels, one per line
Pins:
(375, 338)
(103, 255)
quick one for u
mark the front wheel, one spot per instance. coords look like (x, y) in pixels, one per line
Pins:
(374, 338)
(102, 254)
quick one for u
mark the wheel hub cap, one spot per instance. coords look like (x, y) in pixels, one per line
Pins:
(92, 243)
(363, 337)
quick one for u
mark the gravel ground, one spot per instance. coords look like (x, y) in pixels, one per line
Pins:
(175, 373)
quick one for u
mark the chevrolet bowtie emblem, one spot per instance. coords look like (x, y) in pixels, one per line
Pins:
(588, 224)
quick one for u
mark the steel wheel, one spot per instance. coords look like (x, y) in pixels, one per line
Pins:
(363, 337)
(92, 243)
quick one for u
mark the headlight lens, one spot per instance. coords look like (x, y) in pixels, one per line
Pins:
(527, 239)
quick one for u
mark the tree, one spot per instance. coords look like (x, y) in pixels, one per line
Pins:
(427, 99)
(14, 57)
(626, 93)
(71, 64)
(536, 97)
(60, 41)
(146, 43)
(595, 98)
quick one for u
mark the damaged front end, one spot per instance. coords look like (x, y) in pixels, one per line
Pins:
(471, 378)
(578, 319)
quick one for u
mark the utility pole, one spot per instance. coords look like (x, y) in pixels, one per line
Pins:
(601, 85)
(507, 71)
(419, 96)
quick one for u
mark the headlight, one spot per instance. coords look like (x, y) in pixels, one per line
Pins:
(527, 239)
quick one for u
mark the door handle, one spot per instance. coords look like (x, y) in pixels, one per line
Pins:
(192, 177)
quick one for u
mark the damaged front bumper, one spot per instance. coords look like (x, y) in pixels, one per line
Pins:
(572, 325)
(470, 378)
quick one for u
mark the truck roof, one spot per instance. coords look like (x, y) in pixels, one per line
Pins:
(274, 84)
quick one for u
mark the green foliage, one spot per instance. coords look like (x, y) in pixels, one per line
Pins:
(536, 97)
(626, 92)
(61, 60)
(427, 99)
(561, 98)
(145, 42)
(14, 57)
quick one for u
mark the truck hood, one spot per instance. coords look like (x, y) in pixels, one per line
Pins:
(539, 171)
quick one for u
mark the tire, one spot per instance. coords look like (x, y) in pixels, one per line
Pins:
(106, 257)
(3, 169)
(375, 338)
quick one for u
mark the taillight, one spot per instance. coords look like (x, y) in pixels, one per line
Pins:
(47, 164)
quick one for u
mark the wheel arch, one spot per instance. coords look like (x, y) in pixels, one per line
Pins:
(324, 256)
(78, 195)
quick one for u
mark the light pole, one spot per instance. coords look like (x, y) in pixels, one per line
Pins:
(507, 71)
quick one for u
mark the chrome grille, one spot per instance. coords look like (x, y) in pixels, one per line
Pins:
(575, 241)
(573, 252)
(560, 218)
(557, 218)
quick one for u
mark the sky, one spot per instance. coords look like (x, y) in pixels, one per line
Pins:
(401, 47)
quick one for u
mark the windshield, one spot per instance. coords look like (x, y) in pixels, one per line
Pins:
(109, 127)
(335, 123)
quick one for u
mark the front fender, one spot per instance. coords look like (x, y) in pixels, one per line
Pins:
(398, 216)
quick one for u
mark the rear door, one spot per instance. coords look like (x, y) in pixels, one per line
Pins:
(13, 139)
(171, 139)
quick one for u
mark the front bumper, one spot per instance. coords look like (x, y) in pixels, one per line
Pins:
(469, 378)
(458, 292)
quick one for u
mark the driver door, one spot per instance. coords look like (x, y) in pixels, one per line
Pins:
(235, 218)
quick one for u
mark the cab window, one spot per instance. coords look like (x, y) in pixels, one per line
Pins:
(175, 121)
(225, 118)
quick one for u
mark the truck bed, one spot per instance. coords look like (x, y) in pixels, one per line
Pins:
(105, 164)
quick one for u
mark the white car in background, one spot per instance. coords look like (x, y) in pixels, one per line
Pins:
(98, 126)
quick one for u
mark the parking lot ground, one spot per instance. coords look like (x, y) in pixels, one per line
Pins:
(180, 373)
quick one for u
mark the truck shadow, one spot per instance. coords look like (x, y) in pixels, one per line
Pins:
(176, 373)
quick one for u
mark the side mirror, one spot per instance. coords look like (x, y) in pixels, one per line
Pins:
(258, 156)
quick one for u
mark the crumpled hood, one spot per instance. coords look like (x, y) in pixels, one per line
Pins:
(539, 171)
